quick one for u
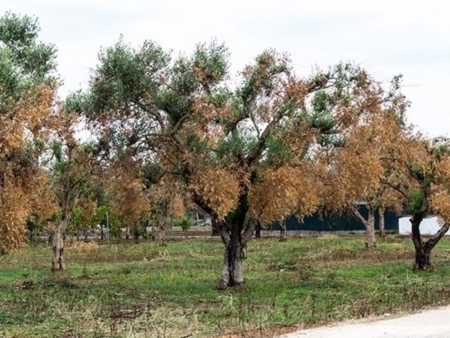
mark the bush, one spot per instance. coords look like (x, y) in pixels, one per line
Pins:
(185, 223)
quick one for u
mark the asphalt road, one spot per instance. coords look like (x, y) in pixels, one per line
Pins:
(426, 324)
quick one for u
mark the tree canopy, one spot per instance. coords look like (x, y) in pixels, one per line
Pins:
(228, 141)
(27, 91)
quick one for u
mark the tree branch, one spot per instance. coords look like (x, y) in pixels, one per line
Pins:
(248, 233)
(396, 187)
(357, 214)
(431, 243)
(180, 123)
(154, 114)
(257, 151)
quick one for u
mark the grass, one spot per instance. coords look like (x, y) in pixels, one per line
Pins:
(142, 290)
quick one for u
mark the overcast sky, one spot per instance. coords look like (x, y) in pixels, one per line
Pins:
(385, 37)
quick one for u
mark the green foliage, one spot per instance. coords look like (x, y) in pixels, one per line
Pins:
(323, 121)
(262, 76)
(151, 172)
(211, 63)
(196, 144)
(35, 223)
(77, 102)
(81, 219)
(415, 200)
(10, 81)
(321, 104)
(139, 230)
(345, 73)
(185, 223)
(278, 151)
(31, 59)
(102, 215)
(441, 147)
(126, 75)
(235, 143)
(77, 217)
(136, 85)
(57, 150)
(116, 222)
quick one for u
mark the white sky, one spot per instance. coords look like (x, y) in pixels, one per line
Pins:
(386, 37)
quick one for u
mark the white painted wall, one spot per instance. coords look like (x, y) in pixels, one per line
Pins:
(429, 226)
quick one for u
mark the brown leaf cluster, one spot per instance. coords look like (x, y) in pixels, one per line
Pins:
(283, 192)
(167, 198)
(128, 198)
(23, 186)
(375, 142)
(30, 118)
(15, 205)
(219, 188)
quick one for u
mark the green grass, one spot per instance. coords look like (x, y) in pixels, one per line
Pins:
(143, 290)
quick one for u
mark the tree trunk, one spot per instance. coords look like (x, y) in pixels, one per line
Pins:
(258, 230)
(369, 224)
(136, 234)
(58, 247)
(370, 228)
(283, 232)
(161, 230)
(422, 260)
(215, 228)
(234, 238)
(232, 267)
(235, 241)
(381, 222)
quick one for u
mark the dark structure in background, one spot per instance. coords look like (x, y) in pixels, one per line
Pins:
(344, 222)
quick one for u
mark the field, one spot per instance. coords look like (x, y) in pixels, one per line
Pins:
(143, 290)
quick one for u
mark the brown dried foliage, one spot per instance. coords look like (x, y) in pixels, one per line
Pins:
(375, 140)
(127, 194)
(219, 188)
(283, 192)
(22, 183)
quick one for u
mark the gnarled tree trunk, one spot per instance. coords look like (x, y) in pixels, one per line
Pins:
(381, 224)
(234, 236)
(232, 267)
(58, 246)
(422, 260)
(235, 241)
